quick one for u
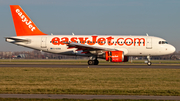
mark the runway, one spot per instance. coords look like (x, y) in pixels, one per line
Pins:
(90, 66)
(88, 97)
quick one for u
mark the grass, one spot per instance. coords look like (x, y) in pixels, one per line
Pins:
(105, 81)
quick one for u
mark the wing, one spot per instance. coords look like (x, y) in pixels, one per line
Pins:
(88, 48)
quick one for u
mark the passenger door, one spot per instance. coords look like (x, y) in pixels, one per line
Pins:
(149, 43)
(43, 42)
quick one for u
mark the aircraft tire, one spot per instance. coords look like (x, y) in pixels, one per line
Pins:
(149, 63)
(96, 62)
(91, 62)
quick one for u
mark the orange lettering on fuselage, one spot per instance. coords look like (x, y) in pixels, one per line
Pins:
(122, 43)
(55, 41)
(64, 40)
(74, 39)
(100, 41)
(109, 40)
(139, 40)
(82, 40)
(130, 41)
(93, 40)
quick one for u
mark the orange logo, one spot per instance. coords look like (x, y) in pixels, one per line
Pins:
(25, 20)
(100, 41)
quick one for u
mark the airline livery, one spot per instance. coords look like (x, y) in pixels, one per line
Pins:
(111, 48)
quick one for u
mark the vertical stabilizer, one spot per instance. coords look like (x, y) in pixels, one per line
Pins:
(24, 26)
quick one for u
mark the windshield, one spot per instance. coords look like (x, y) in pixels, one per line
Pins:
(163, 42)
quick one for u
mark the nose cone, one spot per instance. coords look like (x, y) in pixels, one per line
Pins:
(172, 49)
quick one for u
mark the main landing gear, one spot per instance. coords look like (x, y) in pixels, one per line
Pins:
(93, 61)
(148, 62)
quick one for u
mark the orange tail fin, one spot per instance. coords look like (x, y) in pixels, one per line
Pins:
(23, 24)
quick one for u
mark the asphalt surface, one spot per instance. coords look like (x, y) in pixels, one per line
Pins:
(88, 97)
(90, 66)
(59, 96)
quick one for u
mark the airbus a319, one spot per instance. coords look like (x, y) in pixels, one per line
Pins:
(111, 48)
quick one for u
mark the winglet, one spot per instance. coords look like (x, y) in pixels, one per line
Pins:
(24, 26)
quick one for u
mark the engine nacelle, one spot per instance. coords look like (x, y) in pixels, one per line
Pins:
(115, 56)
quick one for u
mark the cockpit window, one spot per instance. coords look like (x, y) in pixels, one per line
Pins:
(163, 42)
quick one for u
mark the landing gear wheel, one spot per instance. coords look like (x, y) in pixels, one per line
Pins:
(93, 62)
(149, 63)
(96, 62)
(90, 62)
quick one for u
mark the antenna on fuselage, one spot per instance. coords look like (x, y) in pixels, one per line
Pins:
(51, 33)
(72, 33)
(147, 34)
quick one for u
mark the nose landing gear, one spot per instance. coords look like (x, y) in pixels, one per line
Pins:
(149, 61)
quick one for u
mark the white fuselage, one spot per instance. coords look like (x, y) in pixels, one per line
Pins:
(130, 45)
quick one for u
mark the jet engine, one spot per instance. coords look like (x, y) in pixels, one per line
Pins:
(115, 56)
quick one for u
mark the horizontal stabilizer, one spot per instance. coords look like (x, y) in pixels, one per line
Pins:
(14, 40)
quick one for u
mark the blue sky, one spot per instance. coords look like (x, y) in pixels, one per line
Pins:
(102, 17)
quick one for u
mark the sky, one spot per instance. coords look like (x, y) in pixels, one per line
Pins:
(159, 18)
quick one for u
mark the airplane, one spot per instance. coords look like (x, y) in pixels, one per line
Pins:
(112, 48)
